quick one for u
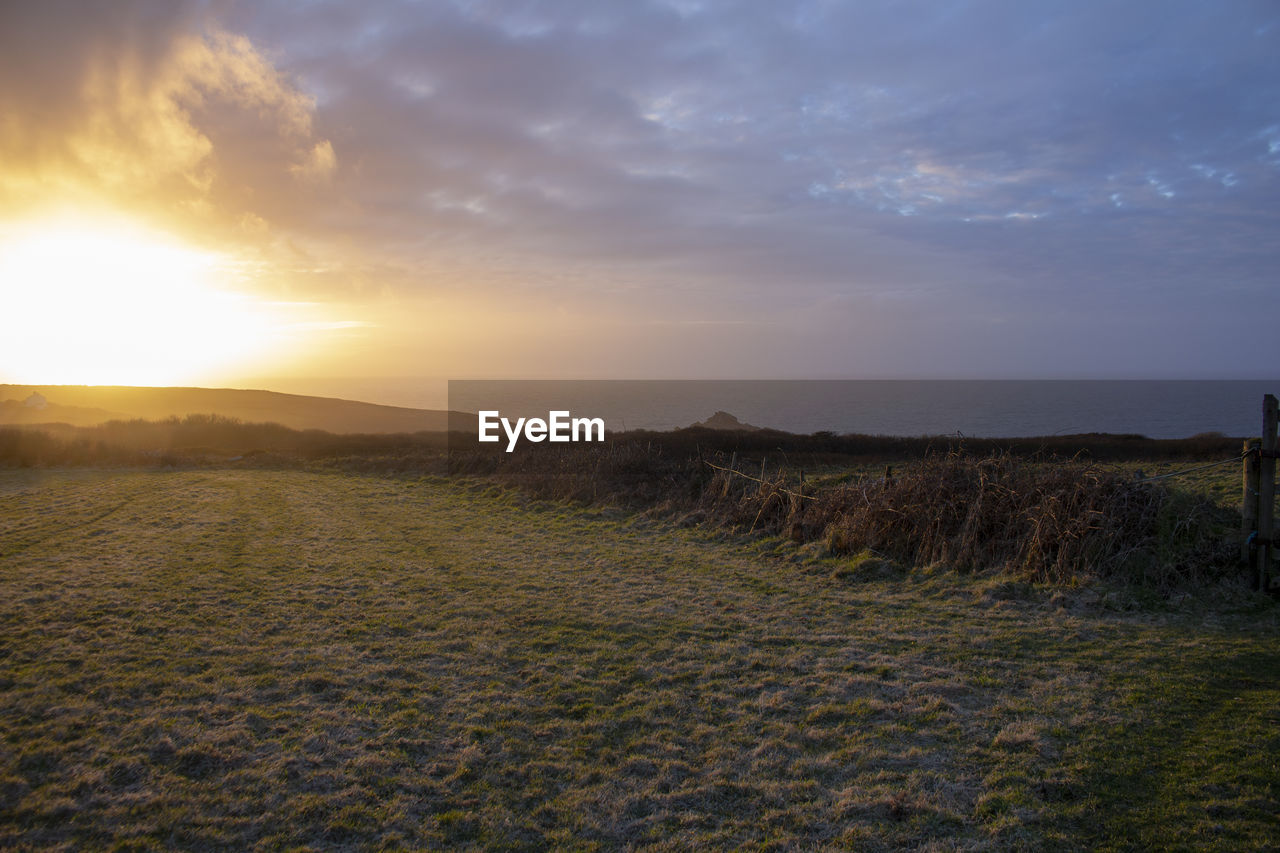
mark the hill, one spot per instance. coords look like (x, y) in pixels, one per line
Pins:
(88, 405)
(21, 413)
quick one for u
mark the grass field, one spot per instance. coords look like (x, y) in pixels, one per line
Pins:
(280, 659)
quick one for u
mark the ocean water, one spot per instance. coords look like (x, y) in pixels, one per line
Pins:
(980, 408)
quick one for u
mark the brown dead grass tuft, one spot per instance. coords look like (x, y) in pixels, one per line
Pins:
(1062, 522)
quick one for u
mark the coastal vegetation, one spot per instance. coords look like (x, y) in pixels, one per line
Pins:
(1064, 510)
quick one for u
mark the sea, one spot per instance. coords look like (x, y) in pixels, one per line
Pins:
(977, 408)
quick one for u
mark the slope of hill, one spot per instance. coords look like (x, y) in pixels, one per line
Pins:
(86, 405)
(18, 412)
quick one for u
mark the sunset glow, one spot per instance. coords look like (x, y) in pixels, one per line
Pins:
(102, 302)
(875, 189)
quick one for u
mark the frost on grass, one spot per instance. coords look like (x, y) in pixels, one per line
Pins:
(278, 659)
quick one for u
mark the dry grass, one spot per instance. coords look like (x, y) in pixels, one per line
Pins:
(1059, 522)
(1015, 504)
(259, 659)
(1048, 520)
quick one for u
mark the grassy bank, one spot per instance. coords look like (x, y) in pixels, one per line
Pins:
(211, 439)
(269, 659)
(1066, 509)
(1043, 519)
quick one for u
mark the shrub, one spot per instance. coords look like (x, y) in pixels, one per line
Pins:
(1061, 522)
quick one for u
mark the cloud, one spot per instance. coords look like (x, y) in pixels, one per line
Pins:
(318, 164)
(149, 102)
(810, 159)
(934, 164)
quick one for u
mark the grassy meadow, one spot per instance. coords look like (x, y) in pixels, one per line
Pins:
(282, 659)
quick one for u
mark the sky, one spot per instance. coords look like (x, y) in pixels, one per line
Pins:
(383, 191)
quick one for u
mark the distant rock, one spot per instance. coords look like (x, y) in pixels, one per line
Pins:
(726, 421)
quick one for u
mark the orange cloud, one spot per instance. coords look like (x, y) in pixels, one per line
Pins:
(190, 119)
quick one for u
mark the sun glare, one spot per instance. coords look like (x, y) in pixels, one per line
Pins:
(92, 303)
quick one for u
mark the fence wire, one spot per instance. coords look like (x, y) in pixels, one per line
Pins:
(1142, 480)
(1197, 468)
(758, 480)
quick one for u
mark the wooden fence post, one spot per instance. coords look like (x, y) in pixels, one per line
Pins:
(1249, 504)
(801, 508)
(1267, 489)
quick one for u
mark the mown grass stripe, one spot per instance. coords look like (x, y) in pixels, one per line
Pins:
(282, 659)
